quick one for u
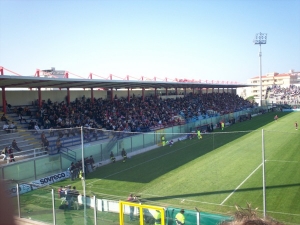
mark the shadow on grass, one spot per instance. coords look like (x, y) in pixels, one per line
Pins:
(162, 160)
(221, 192)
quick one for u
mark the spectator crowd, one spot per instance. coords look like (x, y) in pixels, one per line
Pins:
(135, 115)
(284, 95)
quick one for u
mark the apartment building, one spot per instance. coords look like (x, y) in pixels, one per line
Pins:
(274, 78)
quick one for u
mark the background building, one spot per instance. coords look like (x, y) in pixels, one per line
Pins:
(283, 80)
(52, 73)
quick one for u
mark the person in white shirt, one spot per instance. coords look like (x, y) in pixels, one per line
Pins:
(37, 128)
(4, 153)
(6, 127)
(12, 127)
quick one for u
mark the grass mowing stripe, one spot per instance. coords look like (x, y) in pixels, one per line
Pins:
(205, 174)
(283, 161)
(240, 184)
(289, 214)
(144, 162)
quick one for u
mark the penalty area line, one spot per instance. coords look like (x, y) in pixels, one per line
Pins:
(240, 185)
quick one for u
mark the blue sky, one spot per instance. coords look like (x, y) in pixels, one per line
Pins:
(193, 39)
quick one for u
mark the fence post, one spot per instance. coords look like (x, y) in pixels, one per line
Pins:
(131, 143)
(83, 177)
(264, 172)
(101, 152)
(53, 207)
(198, 218)
(34, 165)
(18, 199)
(95, 210)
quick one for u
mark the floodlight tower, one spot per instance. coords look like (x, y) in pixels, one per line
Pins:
(260, 39)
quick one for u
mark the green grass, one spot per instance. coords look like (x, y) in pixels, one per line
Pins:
(212, 174)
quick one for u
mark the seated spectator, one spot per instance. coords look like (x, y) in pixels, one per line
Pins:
(8, 107)
(3, 118)
(12, 127)
(95, 134)
(60, 134)
(43, 136)
(11, 154)
(45, 144)
(72, 131)
(31, 125)
(58, 145)
(6, 127)
(86, 136)
(19, 110)
(21, 118)
(28, 112)
(51, 132)
(37, 128)
(67, 132)
(15, 145)
(47, 123)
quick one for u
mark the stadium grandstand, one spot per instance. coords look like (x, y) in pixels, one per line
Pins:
(49, 107)
(58, 128)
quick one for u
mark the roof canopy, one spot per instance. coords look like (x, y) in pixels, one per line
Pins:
(44, 82)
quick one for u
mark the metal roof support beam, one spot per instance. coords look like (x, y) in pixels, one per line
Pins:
(128, 94)
(3, 100)
(143, 94)
(39, 97)
(112, 95)
(92, 95)
(166, 91)
(37, 73)
(68, 96)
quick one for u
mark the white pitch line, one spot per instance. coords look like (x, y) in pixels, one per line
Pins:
(240, 185)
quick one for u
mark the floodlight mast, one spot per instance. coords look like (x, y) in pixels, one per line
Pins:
(260, 39)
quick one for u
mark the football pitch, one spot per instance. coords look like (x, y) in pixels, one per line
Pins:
(215, 173)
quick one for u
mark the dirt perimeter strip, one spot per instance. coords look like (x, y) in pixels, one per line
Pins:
(24, 221)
